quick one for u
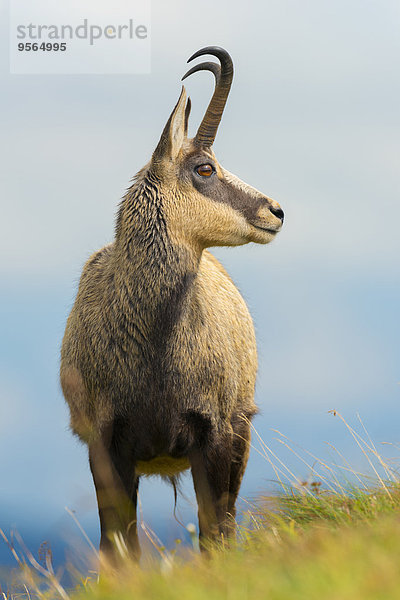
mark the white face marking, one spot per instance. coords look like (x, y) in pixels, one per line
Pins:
(241, 185)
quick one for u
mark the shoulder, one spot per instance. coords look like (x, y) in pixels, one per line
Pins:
(97, 260)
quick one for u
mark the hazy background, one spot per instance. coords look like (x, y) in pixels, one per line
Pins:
(313, 121)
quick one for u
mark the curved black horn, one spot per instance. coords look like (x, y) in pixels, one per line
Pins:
(205, 66)
(207, 131)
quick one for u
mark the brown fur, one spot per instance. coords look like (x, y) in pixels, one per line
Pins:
(158, 361)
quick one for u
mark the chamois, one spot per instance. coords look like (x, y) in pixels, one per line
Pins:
(159, 360)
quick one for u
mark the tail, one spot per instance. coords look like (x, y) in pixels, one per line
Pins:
(174, 480)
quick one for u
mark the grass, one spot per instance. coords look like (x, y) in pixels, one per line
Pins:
(334, 536)
(280, 564)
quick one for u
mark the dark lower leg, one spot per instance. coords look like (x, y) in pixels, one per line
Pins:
(210, 470)
(116, 497)
(240, 455)
(125, 469)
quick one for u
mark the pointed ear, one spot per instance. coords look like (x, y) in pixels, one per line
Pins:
(174, 132)
(187, 113)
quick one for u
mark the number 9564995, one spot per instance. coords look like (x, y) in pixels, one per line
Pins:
(44, 46)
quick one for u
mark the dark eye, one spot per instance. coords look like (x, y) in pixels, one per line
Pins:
(205, 170)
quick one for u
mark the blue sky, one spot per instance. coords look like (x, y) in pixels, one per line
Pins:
(313, 121)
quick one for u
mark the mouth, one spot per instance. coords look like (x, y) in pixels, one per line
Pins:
(266, 229)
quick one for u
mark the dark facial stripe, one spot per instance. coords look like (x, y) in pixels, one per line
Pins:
(220, 190)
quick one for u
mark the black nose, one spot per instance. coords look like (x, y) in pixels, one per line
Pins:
(278, 212)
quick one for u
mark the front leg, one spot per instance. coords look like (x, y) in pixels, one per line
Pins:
(211, 464)
(240, 454)
(116, 490)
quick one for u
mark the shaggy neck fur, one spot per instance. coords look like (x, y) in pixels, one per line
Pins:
(153, 276)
